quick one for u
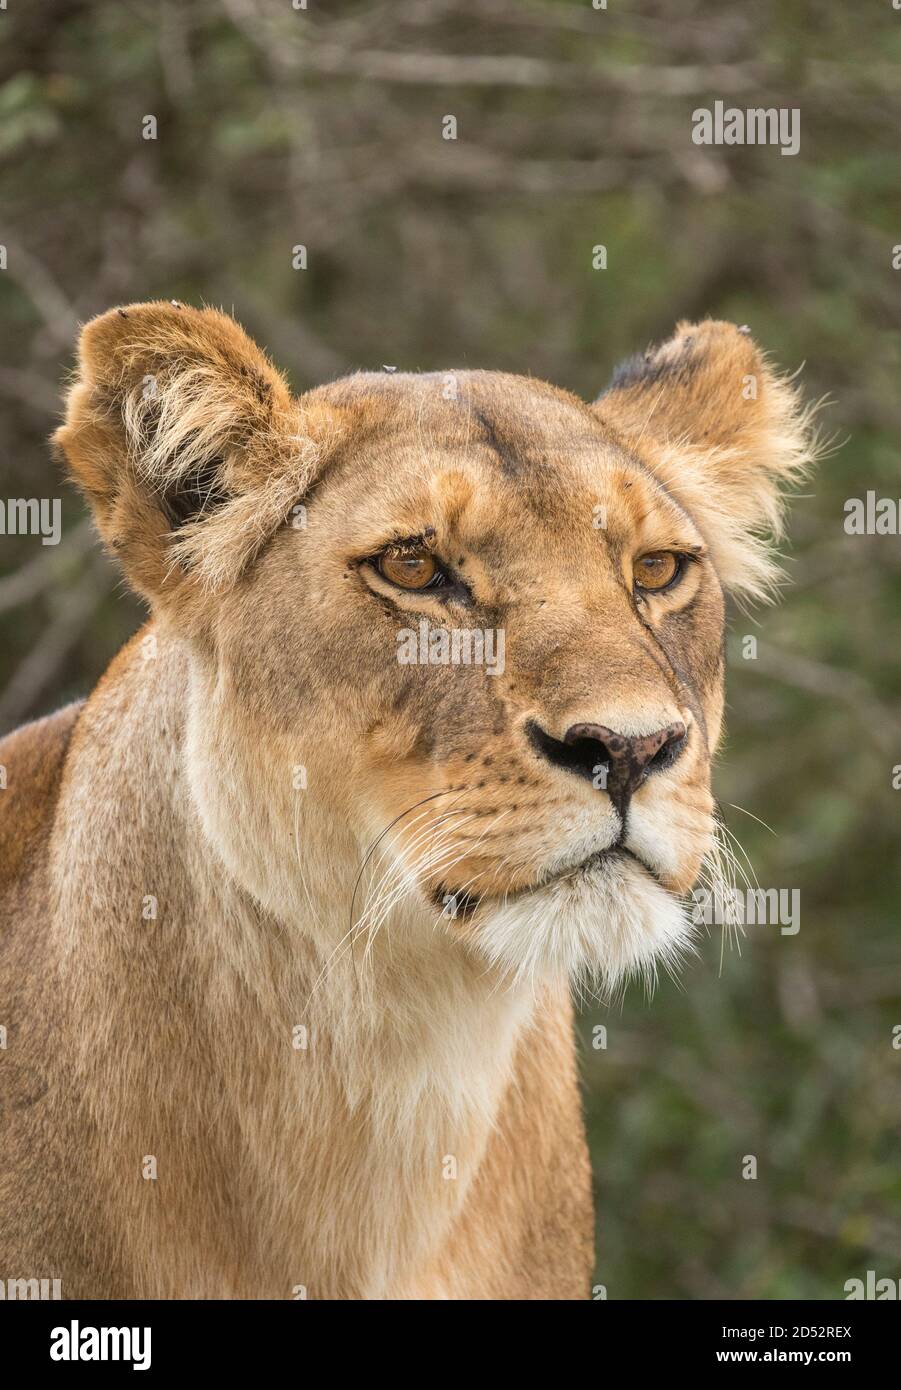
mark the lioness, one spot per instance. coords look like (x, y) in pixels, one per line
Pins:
(291, 903)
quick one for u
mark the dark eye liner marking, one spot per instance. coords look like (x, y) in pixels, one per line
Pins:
(444, 584)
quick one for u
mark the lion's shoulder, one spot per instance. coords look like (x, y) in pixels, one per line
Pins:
(32, 759)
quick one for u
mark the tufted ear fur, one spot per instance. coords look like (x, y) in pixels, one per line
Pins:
(187, 442)
(724, 433)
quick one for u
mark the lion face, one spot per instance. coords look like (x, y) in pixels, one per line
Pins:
(488, 674)
(482, 623)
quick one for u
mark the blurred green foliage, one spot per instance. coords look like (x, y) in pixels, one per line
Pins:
(278, 127)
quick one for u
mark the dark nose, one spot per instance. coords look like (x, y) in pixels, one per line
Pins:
(616, 763)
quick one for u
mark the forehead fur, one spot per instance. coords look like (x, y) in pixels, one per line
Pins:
(491, 454)
(517, 419)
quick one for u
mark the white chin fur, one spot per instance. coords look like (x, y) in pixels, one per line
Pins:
(606, 923)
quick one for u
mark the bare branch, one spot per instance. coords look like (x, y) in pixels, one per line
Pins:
(46, 658)
(52, 304)
(46, 569)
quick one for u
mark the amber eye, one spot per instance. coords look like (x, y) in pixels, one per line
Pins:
(656, 570)
(416, 570)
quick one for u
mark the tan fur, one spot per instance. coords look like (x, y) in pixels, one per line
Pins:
(727, 434)
(248, 835)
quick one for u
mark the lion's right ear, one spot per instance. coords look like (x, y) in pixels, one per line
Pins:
(187, 442)
(726, 434)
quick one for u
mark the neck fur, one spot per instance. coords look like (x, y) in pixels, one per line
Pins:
(379, 1060)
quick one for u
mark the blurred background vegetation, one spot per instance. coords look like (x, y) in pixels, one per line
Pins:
(323, 127)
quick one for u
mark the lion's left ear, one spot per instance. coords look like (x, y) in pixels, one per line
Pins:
(187, 442)
(724, 433)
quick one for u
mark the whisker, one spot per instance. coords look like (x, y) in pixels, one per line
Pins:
(433, 797)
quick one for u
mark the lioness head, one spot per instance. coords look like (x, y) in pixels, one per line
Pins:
(463, 627)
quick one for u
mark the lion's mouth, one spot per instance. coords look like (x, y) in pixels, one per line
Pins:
(466, 904)
(597, 860)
